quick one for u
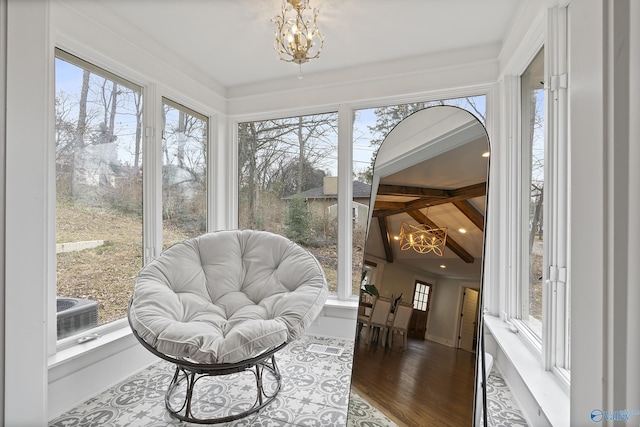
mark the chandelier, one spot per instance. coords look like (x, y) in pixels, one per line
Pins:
(422, 238)
(298, 39)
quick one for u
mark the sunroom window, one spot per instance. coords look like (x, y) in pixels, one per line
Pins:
(533, 179)
(184, 173)
(98, 151)
(288, 182)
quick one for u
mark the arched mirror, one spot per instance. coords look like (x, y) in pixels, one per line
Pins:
(419, 317)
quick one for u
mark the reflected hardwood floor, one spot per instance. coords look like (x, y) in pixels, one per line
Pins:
(428, 384)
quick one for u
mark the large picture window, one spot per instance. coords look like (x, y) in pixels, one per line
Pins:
(98, 148)
(184, 173)
(533, 180)
(288, 182)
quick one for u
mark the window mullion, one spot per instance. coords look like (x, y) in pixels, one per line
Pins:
(152, 175)
(345, 197)
(557, 208)
(512, 120)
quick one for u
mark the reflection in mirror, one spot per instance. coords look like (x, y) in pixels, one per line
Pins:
(421, 290)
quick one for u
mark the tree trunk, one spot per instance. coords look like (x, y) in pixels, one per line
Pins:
(301, 154)
(80, 130)
(112, 115)
(182, 138)
(535, 222)
(138, 151)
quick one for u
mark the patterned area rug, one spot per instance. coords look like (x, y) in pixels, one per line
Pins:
(502, 408)
(363, 414)
(315, 392)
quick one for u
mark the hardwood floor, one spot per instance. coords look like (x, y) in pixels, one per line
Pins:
(428, 384)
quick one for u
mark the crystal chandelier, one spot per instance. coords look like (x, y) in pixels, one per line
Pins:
(298, 39)
(422, 238)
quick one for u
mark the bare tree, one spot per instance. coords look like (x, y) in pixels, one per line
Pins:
(271, 151)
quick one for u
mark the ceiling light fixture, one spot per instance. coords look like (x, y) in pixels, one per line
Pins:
(298, 39)
(422, 238)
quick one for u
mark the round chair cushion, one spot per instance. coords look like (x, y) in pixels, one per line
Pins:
(227, 296)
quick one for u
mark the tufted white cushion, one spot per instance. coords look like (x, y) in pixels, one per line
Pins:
(227, 296)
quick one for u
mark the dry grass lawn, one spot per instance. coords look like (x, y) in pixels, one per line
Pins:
(107, 273)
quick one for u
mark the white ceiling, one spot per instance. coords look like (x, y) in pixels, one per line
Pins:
(231, 41)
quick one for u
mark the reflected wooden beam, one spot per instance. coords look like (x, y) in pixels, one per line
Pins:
(406, 190)
(384, 234)
(463, 193)
(471, 212)
(451, 244)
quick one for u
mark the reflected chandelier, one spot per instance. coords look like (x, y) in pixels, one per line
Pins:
(422, 238)
(298, 39)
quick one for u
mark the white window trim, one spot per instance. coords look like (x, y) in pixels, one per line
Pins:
(223, 202)
(345, 165)
(551, 350)
(153, 96)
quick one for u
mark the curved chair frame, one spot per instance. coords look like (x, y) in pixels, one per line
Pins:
(192, 372)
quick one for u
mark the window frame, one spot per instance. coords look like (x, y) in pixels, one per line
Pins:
(220, 155)
(552, 349)
(429, 286)
(123, 80)
(153, 97)
(534, 340)
(345, 164)
(168, 101)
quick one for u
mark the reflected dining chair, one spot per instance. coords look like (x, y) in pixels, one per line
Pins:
(378, 319)
(400, 325)
(363, 318)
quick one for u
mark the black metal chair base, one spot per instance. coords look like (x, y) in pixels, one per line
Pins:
(191, 372)
(191, 375)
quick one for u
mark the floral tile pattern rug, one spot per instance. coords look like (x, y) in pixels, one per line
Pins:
(363, 414)
(502, 408)
(315, 392)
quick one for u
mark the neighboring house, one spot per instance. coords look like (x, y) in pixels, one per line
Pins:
(323, 201)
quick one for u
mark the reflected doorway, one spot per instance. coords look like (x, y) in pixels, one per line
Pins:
(421, 302)
(467, 335)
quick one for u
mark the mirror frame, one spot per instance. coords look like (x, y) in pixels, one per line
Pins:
(407, 140)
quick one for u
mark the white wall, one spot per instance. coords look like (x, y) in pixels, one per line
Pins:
(3, 111)
(27, 223)
(445, 298)
(604, 95)
(444, 315)
(588, 173)
(633, 349)
(398, 279)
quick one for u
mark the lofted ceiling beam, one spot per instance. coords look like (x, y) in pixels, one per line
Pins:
(406, 190)
(386, 242)
(463, 193)
(470, 212)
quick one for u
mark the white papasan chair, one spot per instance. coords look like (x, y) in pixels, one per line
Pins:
(222, 303)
